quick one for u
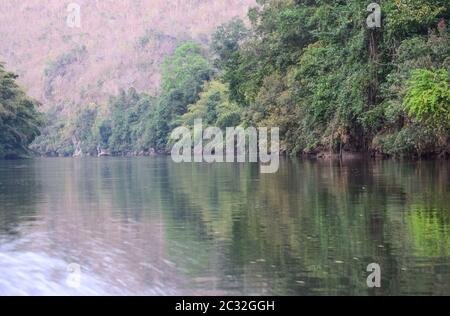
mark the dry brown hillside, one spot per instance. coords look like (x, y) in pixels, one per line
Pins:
(120, 43)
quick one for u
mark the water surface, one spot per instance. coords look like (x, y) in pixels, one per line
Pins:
(147, 226)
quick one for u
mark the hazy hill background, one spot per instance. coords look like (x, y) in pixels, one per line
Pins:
(120, 44)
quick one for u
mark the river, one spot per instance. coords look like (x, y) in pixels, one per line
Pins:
(148, 226)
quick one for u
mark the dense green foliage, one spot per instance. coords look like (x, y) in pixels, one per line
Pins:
(94, 130)
(213, 107)
(428, 98)
(19, 120)
(227, 40)
(312, 68)
(183, 76)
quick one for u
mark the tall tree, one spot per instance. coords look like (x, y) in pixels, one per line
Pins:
(183, 76)
(19, 119)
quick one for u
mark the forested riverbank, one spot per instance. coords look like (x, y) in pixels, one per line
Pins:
(311, 68)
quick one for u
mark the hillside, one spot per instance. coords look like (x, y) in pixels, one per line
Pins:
(120, 43)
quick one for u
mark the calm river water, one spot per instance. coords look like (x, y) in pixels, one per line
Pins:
(147, 226)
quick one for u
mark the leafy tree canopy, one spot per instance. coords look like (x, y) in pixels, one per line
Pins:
(19, 119)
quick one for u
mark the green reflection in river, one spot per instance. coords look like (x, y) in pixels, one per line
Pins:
(313, 227)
